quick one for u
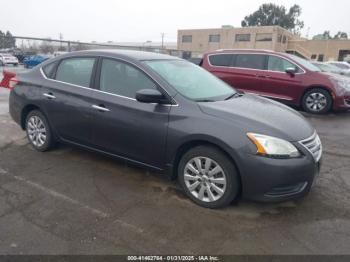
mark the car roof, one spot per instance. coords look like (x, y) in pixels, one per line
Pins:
(262, 51)
(133, 54)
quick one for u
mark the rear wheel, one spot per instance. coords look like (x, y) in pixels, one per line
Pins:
(38, 131)
(208, 177)
(317, 101)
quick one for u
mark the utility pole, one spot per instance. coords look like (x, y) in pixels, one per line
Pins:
(162, 34)
(61, 38)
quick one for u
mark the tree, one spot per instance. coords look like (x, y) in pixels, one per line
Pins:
(327, 36)
(46, 47)
(341, 35)
(7, 40)
(276, 15)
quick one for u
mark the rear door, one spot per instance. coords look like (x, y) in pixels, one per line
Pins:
(68, 95)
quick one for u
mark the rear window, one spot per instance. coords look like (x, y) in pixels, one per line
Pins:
(251, 61)
(221, 60)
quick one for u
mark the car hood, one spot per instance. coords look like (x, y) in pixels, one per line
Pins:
(261, 115)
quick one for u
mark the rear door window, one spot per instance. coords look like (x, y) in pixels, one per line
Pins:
(221, 60)
(76, 71)
(251, 61)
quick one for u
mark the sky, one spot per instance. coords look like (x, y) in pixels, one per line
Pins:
(145, 20)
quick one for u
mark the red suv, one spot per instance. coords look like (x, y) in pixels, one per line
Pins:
(284, 77)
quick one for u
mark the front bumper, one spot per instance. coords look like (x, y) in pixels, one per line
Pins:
(342, 102)
(276, 180)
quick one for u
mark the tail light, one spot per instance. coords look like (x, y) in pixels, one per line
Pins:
(12, 83)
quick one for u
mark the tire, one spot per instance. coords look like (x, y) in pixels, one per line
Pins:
(36, 122)
(229, 191)
(317, 101)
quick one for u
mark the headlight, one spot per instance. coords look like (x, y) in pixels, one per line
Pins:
(273, 147)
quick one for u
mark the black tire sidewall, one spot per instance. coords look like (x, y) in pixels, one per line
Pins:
(232, 186)
(48, 142)
(325, 93)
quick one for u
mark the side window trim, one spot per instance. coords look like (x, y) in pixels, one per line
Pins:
(233, 65)
(91, 84)
(98, 78)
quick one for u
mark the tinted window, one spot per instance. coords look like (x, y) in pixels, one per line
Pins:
(242, 38)
(214, 38)
(186, 39)
(49, 70)
(279, 64)
(264, 37)
(250, 61)
(221, 60)
(76, 71)
(122, 79)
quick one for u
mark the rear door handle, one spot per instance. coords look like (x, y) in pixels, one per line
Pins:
(100, 108)
(49, 96)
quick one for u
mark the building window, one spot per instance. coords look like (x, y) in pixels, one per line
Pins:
(264, 37)
(242, 38)
(186, 39)
(214, 38)
(279, 39)
(320, 57)
(284, 39)
(313, 57)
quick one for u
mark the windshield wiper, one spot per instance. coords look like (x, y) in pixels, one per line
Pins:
(205, 100)
(234, 95)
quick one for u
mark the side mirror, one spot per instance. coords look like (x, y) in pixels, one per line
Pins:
(291, 70)
(150, 96)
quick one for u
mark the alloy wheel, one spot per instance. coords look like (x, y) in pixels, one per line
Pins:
(36, 131)
(316, 102)
(205, 179)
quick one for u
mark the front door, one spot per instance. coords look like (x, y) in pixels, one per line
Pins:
(124, 126)
(279, 84)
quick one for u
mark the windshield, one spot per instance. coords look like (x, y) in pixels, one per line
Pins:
(192, 81)
(308, 65)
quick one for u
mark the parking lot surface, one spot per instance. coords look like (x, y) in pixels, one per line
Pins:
(69, 201)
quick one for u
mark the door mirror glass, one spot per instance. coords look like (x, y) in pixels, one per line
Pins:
(150, 96)
(291, 70)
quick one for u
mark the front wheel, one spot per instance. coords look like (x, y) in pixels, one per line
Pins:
(38, 131)
(208, 177)
(317, 101)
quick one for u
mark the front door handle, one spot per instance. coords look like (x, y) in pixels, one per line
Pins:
(100, 108)
(49, 96)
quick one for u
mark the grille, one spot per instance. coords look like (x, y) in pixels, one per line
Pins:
(314, 146)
